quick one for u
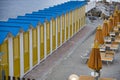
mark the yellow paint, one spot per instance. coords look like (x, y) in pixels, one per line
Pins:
(53, 34)
(26, 51)
(75, 15)
(34, 47)
(5, 59)
(48, 37)
(67, 26)
(77, 24)
(73, 28)
(70, 30)
(84, 20)
(63, 28)
(41, 42)
(16, 56)
(74, 22)
(84, 15)
(71, 24)
(80, 18)
(81, 21)
(58, 22)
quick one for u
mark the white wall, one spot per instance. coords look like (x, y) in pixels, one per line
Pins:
(13, 8)
(108, 0)
(90, 6)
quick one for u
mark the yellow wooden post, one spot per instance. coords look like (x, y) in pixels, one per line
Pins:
(16, 55)
(26, 51)
(34, 46)
(41, 42)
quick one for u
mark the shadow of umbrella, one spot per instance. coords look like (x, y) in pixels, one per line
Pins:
(94, 61)
(99, 35)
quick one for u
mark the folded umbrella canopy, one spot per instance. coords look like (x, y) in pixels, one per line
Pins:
(105, 29)
(117, 11)
(99, 35)
(109, 26)
(111, 22)
(94, 61)
(115, 16)
(119, 15)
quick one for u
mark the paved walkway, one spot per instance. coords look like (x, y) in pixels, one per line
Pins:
(66, 60)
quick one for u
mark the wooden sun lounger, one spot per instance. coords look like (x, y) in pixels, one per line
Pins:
(113, 46)
(117, 39)
(107, 56)
(84, 77)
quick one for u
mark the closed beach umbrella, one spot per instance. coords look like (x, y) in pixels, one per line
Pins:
(119, 16)
(105, 29)
(99, 35)
(94, 61)
(111, 20)
(117, 11)
(109, 26)
(115, 19)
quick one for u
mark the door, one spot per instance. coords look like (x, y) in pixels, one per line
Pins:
(4, 59)
(53, 34)
(41, 42)
(16, 55)
(48, 37)
(34, 47)
(26, 51)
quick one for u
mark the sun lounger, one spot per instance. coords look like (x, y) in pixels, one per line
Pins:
(85, 57)
(84, 77)
(107, 56)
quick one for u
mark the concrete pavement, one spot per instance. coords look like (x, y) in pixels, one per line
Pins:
(66, 60)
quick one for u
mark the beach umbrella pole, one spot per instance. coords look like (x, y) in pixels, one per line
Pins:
(97, 77)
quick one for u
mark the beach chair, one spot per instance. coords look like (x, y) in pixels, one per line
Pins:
(85, 57)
